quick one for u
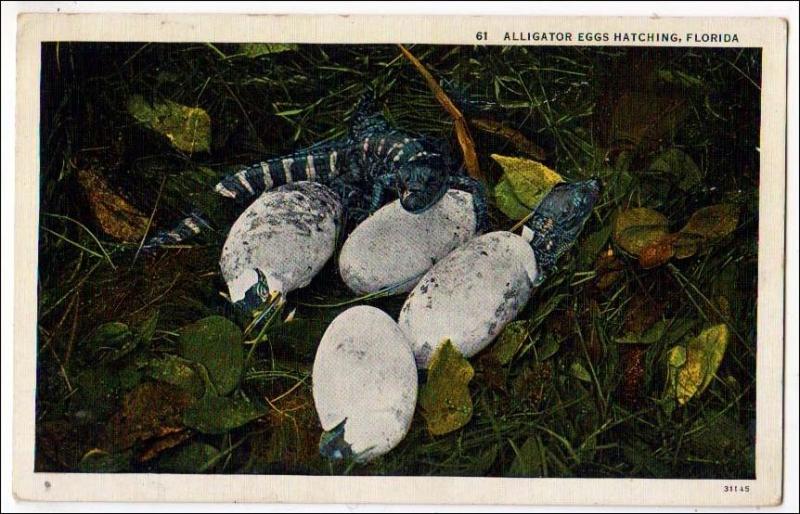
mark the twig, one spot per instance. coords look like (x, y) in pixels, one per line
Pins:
(72, 332)
(149, 221)
(516, 137)
(462, 130)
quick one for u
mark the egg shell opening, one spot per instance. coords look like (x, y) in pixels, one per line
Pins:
(288, 233)
(470, 295)
(364, 372)
(393, 248)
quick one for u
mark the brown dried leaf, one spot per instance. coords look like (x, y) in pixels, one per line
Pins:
(657, 253)
(531, 386)
(151, 410)
(632, 360)
(165, 443)
(115, 216)
(642, 313)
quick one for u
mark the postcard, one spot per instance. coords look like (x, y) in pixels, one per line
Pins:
(400, 259)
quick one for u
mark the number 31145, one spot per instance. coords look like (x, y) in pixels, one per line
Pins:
(736, 488)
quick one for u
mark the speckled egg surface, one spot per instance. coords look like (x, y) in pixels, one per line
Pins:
(288, 233)
(364, 373)
(470, 295)
(393, 248)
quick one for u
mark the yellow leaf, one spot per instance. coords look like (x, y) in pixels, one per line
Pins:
(444, 399)
(187, 128)
(507, 201)
(259, 49)
(692, 368)
(530, 180)
(637, 229)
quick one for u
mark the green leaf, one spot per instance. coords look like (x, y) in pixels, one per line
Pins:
(692, 368)
(218, 414)
(187, 128)
(192, 458)
(507, 201)
(636, 229)
(550, 346)
(216, 343)
(99, 461)
(97, 390)
(510, 341)
(148, 328)
(680, 166)
(650, 336)
(713, 222)
(705, 226)
(259, 49)
(111, 341)
(578, 371)
(444, 399)
(176, 371)
(528, 462)
(530, 180)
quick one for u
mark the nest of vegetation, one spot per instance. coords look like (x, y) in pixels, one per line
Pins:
(581, 397)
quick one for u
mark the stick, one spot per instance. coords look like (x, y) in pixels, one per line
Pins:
(462, 130)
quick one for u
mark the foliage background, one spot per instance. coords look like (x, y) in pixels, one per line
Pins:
(602, 112)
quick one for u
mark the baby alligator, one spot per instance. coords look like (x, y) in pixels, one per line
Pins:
(372, 160)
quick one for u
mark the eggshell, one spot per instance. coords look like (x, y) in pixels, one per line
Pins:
(470, 295)
(364, 372)
(287, 233)
(393, 248)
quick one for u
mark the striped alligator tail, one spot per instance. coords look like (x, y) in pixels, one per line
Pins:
(187, 228)
(317, 164)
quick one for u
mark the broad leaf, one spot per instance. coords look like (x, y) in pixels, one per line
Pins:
(192, 458)
(187, 128)
(444, 399)
(692, 368)
(636, 229)
(713, 222)
(510, 341)
(680, 166)
(216, 343)
(217, 414)
(115, 215)
(578, 371)
(507, 201)
(176, 371)
(530, 180)
(529, 461)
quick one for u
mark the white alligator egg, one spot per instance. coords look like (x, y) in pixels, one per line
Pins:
(288, 233)
(364, 375)
(470, 295)
(393, 248)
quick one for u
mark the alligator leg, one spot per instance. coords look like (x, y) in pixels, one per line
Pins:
(379, 187)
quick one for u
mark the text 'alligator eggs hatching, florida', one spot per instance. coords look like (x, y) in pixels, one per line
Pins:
(288, 233)
(470, 295)
(364, 375)
(393, 248)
